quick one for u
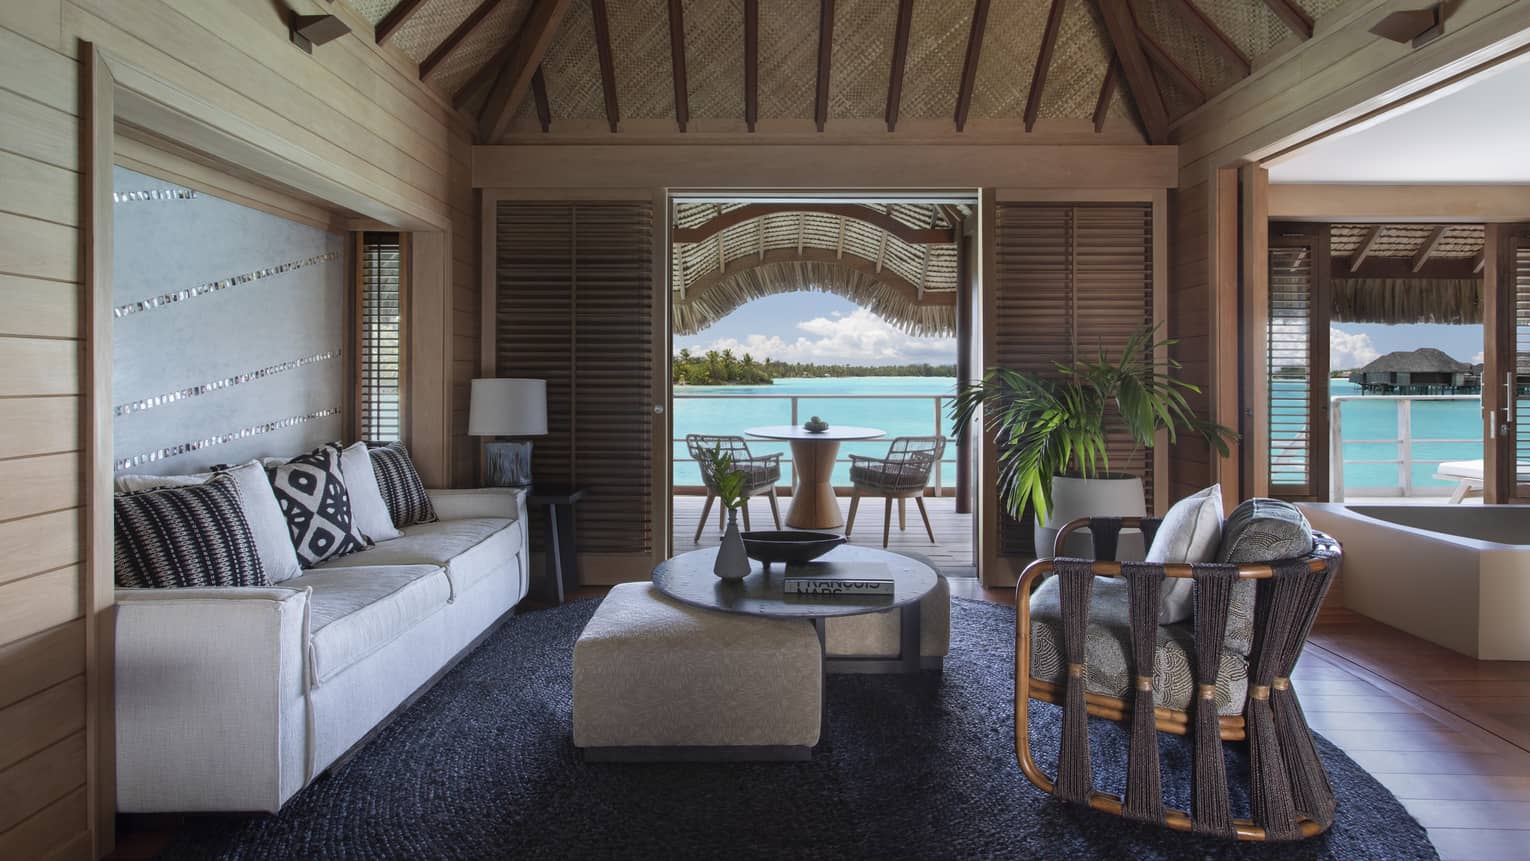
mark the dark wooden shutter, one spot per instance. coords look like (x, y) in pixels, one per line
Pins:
(1517, 257)
(575, 299)
(1297, 362)
(380, 359)
(1071, 281)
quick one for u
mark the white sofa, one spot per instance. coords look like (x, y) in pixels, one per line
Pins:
(233, 699)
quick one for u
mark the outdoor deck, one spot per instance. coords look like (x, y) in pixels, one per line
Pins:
(953, 532)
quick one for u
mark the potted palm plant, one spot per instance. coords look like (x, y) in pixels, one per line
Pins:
(1052, 429)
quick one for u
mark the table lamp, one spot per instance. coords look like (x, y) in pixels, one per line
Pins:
(508, 407)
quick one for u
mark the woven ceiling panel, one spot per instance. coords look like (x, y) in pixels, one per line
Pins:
(1011, 41)
(862, 57)
(1166, 27)
(1078, 65)
(1404, 240)
(1177, 101)
(1319, 8)
(788, 58)
(479, 46)
(937, 46)
(430, 24)
(714, 57)
(373, 10)
(640, 49)
(572, 68)
(1251, 26)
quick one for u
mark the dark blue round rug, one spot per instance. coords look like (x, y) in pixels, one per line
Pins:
(483, 767)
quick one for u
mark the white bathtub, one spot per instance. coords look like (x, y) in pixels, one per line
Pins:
(1455, 575)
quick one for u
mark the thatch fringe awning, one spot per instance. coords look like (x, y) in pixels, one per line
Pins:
(1407, 300)
(892, 302)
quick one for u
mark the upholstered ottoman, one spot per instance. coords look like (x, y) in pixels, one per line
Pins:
(655, 679)
(854, 643)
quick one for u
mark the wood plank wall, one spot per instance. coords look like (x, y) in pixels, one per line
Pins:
(1189, 285)
(351, 104)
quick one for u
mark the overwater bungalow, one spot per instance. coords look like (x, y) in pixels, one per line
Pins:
(338, 443)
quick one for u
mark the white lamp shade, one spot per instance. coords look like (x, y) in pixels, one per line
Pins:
(508, 407)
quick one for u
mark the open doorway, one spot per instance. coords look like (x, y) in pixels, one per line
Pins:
(854, 310)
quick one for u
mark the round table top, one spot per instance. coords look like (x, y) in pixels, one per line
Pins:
(834, 433)
(688, 578)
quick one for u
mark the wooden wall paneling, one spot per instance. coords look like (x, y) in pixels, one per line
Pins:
(663, 419)
(41, 661)
(1379, 203)
(1158, 309)
(38, 307)
(35, 426)
(1190, 468)
(39, 602)
(22, 554)
(33, 485)
(1222, 319)
(53, 832)
(42, 777)
(1254, 207)
(993, 569)
(430, 345)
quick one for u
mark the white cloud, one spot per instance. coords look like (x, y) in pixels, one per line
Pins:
(1347, 351)
(857, 338)
(1478, 358)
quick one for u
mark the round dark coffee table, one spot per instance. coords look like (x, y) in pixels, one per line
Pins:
(688, 578)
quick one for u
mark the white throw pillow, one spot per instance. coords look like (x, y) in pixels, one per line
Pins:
(1191, 532)
(273, 542)
(368, 509)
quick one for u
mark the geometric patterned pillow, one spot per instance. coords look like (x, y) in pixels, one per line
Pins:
(401, 487)
(194, 535)
(310, 489)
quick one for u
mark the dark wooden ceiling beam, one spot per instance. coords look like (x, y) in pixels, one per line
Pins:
(607, 62)
(1430, 244)
(1107, 93)
(522, 56)
(899, 61)
(1294, 16)
(450, 43)
(1365, 247)
(1043, 63)
(751, 63)
(970, 64)
(396, 18)
(1135, 68)
(1479, 261)
(677, 62)
(1208, 30)
(825, 61)
(539, 94)
(881, 220)
(1171, 67)
(1401, 268)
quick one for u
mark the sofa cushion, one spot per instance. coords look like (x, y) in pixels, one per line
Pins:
(1190, 532)
(185, 536)
(311, 491)
(469, 549)
(400, 484)
(354, 611)
(1265, 530)
(367, 506)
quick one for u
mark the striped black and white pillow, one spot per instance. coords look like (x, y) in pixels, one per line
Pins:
(402, 490)
(310, 489)
(194, 535)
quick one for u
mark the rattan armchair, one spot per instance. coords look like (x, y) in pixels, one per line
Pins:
(1289, 791)
(903, 474)
(760, 474)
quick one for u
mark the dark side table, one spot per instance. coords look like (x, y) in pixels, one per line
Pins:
(562, 560)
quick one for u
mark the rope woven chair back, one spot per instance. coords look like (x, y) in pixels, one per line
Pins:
(910, 459)
(701, 447)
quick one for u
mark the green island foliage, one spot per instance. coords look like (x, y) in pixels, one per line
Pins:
(723, 368)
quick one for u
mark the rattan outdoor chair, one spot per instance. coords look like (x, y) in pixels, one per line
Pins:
(760, 475)
(1096, 649)
(903, 474)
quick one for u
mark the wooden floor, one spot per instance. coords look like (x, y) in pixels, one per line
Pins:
(952, 549)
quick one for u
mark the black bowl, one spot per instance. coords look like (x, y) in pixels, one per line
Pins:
(789, 546)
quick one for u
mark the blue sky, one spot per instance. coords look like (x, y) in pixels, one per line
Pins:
(1354, 344)
(816, 327)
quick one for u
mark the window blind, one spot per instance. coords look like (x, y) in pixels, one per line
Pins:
(380, 343)
(1297, 363)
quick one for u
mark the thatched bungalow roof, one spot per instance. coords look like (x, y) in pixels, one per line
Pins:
(1407, 273)
(1424, 360)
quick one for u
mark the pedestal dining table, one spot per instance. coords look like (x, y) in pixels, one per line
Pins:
(813, 455)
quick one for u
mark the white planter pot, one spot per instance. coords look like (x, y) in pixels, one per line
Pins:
(1115, 495)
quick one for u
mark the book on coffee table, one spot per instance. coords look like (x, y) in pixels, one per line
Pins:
(848, 579)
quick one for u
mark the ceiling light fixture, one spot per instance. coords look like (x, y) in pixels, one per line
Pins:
(1418, 26)
(310, 30)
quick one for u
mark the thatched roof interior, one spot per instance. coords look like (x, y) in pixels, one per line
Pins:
(1405, 240)
(1407, 273)
(612, 65)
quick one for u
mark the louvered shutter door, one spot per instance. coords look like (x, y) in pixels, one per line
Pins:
(380, 363)
(1071, 280)
(575, 300)
(1297, 364)
(1518, 258)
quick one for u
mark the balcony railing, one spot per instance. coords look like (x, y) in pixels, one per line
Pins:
(1403, 449)
(797, 412)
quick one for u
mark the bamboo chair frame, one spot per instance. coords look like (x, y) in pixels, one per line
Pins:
(767, 469)
(907, 467)
(1231, 728)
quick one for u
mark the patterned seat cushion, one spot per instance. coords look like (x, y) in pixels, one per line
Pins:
(882, 475)
(1264, 530)
(1107, 650)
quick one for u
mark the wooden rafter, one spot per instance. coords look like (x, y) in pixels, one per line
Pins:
(1209, 31)
(1401, 268)
(396, 18)
(1479, 261)
(825, 61)
(1430, 244)
(1135, 68)
(450, 43)
(970, 64)
(539, 95)
(899, 61)
(1171, 67)
(522, 56)
(1364, 249)
(751, 63)
(607, 62)
(1043, 63)
(880, 220)
(677, 62)
(881, 252)
(1107, 92)
(1294, 16)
